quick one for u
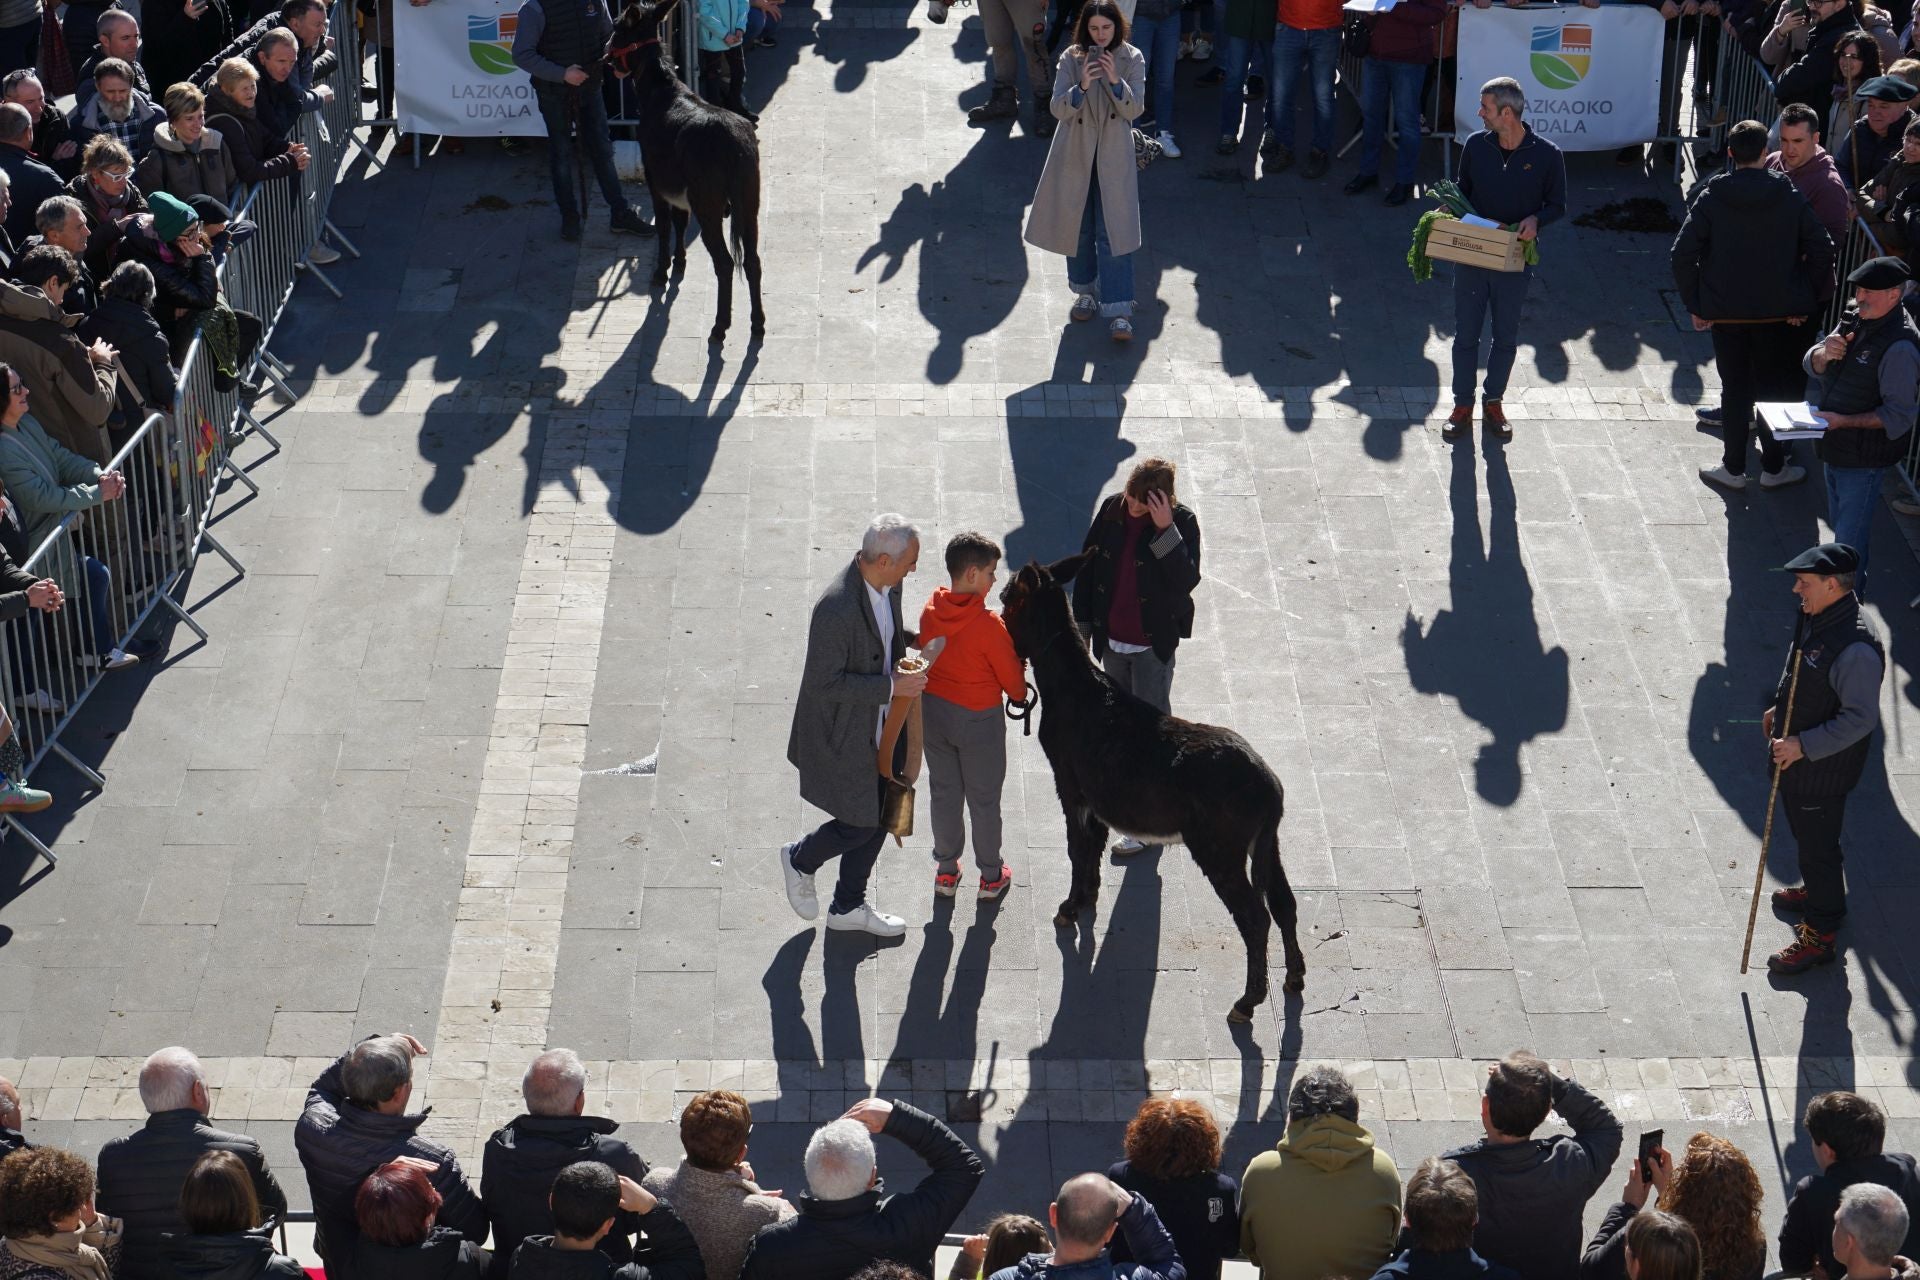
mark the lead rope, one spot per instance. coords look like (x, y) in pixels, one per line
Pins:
(1020, 710)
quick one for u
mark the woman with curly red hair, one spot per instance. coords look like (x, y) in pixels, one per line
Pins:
(1714, 1189)
(1173, 1162)
(47, 1216)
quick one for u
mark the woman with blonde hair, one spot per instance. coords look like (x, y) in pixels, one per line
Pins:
(1714, 1190)
(1173, 1161)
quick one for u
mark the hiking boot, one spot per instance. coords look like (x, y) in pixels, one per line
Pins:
(1792, 898)
(1459, 423)
(18, 797)
(1791, 475)
(1279, 158)
(1361, 182)
(1494, 419)
(946, 883)
(994, 888)
(1809, 949)
(630, 221)
(1044, 123)
(1316, 165)
(1718, 474)
(1003, 105)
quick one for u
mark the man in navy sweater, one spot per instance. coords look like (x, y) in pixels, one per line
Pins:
(1512, 175)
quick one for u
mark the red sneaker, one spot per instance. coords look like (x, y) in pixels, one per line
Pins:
(1809, 949)
(990, 889)
(1793, 898)
(946, 883)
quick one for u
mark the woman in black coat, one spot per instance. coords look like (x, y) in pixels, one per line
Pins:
(258, 156)
(125, 320)
(170, 244)
(1173, 1162)
(1134, 595)
(225, 1238)
(398, 1239)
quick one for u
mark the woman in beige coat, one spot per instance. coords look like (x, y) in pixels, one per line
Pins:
(1099, 88)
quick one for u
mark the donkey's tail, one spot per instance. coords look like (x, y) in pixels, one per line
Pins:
(743, 200)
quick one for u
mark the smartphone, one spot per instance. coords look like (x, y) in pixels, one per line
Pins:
(1649, 1143)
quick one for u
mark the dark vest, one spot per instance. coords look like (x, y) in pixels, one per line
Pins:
(1852, 385)
(574, 35)
(1815, 702)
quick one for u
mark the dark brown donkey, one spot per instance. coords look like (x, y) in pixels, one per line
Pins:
(1119, 763)
(700, 159)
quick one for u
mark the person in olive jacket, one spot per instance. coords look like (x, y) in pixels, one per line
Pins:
(522, 1160)
(142, 1173)
(356, 1119)
(846, 1217)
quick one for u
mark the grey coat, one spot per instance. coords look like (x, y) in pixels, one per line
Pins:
(1095, 132)
(845, 682)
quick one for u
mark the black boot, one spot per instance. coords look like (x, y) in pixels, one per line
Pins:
(1003, 105)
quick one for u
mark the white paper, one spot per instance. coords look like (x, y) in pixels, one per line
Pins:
(1790, 421)
(1369, 6)
(1475, 220)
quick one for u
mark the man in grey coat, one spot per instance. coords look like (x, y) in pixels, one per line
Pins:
(854, 641)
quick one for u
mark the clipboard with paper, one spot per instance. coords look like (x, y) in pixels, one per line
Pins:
(1792, 421)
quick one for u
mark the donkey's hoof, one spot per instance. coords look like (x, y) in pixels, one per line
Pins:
(718, 337)
(1296, 982)
(1064, 917)
(1239, 1013)
(659, 280)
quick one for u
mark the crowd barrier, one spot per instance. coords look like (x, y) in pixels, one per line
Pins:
(125, 560)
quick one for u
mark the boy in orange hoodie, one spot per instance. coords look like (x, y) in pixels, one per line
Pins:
(966, 735)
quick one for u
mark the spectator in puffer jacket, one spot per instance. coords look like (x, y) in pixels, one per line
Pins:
(713, 1189)
(395, 1209)
(1326, 1200)
(356, 1119)
(228, 1238)
(124, 321)
(258, 156)
(1533, 1190)
(141, 1174)
(585, 1200)
(1089, 1210)
(846, 1217)
(188, 159)
(47, 1216)
(522, 1160)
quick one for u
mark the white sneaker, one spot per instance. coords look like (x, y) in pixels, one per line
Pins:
(323, 254)
(114, 660)
(1724, 478)
(1791, 474)
(1202, 49)
(1167, 146)
(42, 701)
(864, 919)
(800, 895)
(1126, 847)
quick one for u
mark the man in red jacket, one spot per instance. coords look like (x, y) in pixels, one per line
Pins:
(1309, 36)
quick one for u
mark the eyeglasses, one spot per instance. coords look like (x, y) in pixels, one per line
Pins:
(118, 175)
(1848, 57)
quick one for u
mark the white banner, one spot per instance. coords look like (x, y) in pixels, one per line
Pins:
(454, 71)
(1591, 76)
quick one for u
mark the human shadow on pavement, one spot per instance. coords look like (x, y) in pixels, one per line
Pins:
(854, 49)
(1486, 652)
(972, 261)
(938, 1020)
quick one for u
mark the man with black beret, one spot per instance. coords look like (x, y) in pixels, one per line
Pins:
(1868, 370)
(1822, 743)
(1875, 136)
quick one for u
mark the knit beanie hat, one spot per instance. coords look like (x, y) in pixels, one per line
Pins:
(171, 216)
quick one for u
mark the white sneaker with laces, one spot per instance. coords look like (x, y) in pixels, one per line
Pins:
(864, 919)
(1791, 474)
(1126, 847)
(1167, 145)
(42, 701)
(1202, 49)
(800, 895)
(1719, 475)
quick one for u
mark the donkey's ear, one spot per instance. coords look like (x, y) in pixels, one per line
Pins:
(1064, 570)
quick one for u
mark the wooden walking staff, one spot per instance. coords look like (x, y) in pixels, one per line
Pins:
(1773, 794)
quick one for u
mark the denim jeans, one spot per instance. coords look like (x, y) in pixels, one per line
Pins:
(1853, 495)
(1158, 40)
(1094, 267)
(1476, 291)
(1400, 83)
(99, 589)
(1238, 56)
(1319, 52)
(594, 140)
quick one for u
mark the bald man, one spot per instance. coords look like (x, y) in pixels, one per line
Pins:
(1090, 1208)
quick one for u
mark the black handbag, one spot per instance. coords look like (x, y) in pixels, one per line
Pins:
(1356, 35)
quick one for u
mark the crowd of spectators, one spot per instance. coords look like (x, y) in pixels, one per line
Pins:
(562, 1196)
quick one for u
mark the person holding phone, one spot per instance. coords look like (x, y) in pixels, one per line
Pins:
(1087, 207)
(1134, 596)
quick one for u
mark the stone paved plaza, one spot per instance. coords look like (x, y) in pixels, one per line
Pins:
(528, 529)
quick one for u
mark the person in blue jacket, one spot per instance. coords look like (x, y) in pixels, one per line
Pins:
(723, 53)
(1090, 1209)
